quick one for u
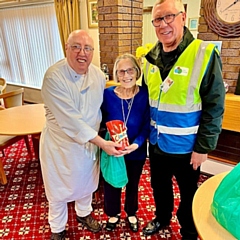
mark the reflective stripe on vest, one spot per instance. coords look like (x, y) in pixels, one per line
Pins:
(181, 101)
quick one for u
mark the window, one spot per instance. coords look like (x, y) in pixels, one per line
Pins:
(29, 43)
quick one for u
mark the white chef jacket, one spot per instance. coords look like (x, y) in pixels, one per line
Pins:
(72, 102)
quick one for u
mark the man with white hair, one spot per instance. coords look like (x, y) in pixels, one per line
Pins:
(186, 93)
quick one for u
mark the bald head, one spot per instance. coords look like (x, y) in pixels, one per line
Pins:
(80, 33)
(79, 51)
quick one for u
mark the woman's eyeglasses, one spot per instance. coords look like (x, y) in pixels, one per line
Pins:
(129, 71)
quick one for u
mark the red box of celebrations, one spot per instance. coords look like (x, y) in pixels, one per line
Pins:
(118, 133)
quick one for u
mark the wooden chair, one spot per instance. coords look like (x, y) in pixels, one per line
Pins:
(3, 85)
(11, 99)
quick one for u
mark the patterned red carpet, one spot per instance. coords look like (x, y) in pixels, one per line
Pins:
(24, 208)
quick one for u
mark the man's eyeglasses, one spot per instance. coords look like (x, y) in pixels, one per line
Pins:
(77, 48)
(129, 71)
(167, 19)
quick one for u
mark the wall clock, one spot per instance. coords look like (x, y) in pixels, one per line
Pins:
(223, 17)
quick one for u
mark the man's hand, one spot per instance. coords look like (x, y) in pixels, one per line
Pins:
(111, 148)
(197, 159)
(108, 146)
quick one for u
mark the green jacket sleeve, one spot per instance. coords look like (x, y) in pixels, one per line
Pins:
(212, 92)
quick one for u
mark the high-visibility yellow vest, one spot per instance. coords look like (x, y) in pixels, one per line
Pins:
(175, 101)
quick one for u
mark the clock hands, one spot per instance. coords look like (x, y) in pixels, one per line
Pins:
(231, 5)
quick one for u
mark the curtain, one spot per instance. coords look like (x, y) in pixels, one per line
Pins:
(29, 43)
(68, 18)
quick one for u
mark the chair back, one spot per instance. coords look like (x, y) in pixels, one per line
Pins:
(3, 85)
(13, 98)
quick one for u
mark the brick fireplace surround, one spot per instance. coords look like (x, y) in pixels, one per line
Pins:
(120, 29)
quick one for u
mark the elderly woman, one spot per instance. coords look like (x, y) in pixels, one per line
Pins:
(127, 102)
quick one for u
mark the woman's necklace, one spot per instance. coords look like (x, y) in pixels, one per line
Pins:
(129, 104)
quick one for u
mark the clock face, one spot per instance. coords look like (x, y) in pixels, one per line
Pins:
(223, 17)
(228, 10)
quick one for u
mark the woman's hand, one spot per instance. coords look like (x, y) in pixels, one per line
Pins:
(130, 148)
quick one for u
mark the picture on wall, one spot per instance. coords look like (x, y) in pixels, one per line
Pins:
(92, 14)
(218, 44)
(193, 23)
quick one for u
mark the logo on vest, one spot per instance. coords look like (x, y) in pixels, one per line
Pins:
(153, 69)
(181, 71)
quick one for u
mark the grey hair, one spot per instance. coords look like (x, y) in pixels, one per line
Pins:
(178, 4)
(134, 61)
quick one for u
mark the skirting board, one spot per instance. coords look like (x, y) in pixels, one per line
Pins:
(213, 167)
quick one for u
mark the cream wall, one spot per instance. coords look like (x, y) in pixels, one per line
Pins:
(92, 31)
(193, 8)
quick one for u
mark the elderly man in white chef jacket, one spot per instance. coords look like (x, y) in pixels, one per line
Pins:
(72, 92)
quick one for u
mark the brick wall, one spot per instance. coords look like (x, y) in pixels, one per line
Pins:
(120, 29)
(230, 52)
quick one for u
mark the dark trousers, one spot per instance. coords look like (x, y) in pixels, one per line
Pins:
(112, 195)
(163, 168)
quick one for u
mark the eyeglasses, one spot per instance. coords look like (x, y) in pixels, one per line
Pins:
(167, 19)
(129, 71)
(77, 49)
